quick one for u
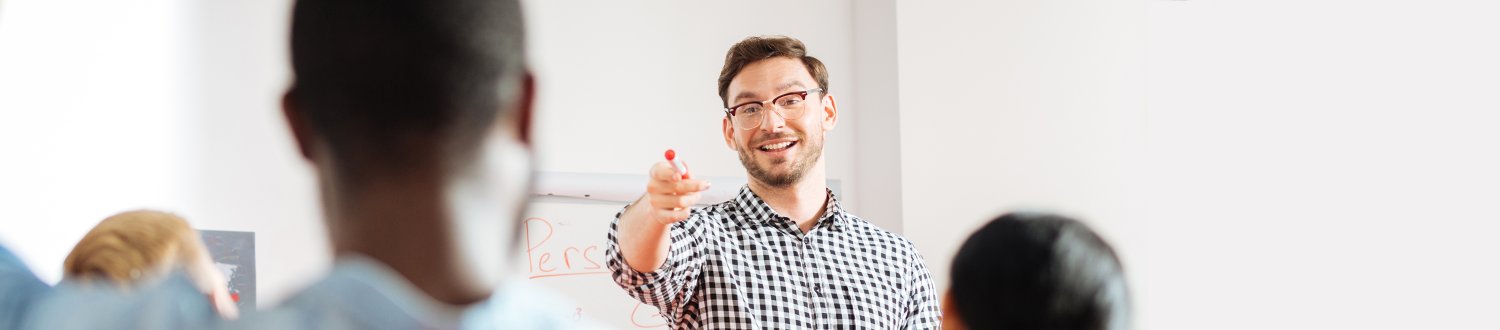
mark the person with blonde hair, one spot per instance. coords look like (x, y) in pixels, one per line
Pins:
(137, 269)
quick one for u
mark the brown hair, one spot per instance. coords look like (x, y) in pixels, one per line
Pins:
(131, 246)
(758, 48)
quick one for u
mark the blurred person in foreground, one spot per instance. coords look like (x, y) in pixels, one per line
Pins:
(1036, 271)
(137, 270)
(416, 117)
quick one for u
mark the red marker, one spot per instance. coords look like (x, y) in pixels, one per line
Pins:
(678, 165)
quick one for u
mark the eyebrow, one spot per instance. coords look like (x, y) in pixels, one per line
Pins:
(783, 87)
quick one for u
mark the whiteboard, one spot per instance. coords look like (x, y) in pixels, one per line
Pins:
(564, 241)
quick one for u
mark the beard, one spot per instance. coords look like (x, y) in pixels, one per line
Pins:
(808, 152)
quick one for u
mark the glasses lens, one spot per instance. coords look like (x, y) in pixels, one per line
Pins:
(791, 105)
(748, 116)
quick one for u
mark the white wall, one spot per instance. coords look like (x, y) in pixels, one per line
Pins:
(90, 119)
(1019, 105)
(1260, 165)
(171, 105)
(1324, 164)
(876, 108)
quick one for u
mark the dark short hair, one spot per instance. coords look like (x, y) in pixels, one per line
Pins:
(758, 48)
(1039, 271)
(387, 82)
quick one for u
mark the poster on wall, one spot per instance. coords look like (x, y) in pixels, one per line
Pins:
(234, 254)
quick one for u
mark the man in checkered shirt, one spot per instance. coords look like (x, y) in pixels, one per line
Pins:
(782, 254)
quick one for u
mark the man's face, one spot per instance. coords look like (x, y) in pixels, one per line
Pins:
(779, 152)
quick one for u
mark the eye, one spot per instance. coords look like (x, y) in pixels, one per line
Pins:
(790, 101)
(749, 109)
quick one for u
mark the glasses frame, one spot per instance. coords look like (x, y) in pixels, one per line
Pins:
(730, 111)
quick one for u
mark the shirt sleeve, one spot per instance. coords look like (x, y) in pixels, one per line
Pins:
(669, 287)
(922, 302)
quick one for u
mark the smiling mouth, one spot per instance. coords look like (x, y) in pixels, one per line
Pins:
(777, 146)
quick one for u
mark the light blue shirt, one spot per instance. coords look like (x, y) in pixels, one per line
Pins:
(19, 290)
(361, 293)
(171, 303)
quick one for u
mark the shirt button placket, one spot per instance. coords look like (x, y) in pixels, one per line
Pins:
(809, 279)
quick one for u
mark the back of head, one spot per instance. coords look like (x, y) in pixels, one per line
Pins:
(133, 246)
(415, 113)
(395, 84)
(1038, 271)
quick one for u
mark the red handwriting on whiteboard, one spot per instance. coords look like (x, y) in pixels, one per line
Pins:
(548, 260)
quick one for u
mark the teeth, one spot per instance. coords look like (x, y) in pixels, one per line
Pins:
(776, 146)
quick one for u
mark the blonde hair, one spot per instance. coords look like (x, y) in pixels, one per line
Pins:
(132, 246)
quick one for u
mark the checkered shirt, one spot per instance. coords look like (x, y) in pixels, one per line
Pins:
(739, 265)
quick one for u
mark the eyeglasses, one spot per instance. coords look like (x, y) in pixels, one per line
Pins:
(748, 115)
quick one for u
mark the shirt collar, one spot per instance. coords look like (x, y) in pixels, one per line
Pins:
(404, 295)
(756, 210)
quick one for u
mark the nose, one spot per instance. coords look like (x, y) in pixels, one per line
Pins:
(773, 120)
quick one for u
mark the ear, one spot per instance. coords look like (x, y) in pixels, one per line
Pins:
(525, 105)
(729, 134)
(830, 112)
(951, 319)
(297, 121)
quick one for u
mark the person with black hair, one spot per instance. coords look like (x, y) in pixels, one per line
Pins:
(1036, 271)
(416, 116)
